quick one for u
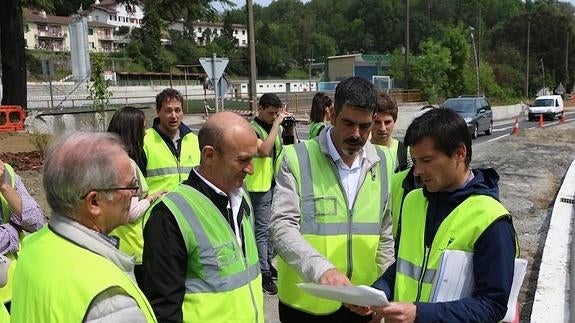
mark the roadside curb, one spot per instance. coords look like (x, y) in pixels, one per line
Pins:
(552, 297)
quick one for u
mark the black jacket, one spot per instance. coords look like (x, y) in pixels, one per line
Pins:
(165, 255)
(493, 258)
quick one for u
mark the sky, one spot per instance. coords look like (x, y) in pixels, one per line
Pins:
(264, 3)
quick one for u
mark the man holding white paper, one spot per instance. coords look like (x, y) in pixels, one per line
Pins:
(331, 219)
(457, 209)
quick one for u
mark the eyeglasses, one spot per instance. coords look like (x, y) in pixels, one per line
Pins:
(134, 187)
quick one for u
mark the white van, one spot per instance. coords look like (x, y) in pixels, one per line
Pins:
(550, 106)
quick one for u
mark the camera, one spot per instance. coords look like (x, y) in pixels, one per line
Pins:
(288, 122)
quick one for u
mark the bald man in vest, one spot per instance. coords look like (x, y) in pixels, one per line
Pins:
(203, 263)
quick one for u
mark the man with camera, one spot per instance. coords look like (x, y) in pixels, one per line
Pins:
(269, 126)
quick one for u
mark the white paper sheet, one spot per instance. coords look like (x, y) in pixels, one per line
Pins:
(357, 295)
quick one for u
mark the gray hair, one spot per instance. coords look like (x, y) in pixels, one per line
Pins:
(77, 163)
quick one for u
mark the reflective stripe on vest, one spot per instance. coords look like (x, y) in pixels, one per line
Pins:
(218, 275)
(261, 179)
(308, 223)
(417, 265)
(71, 279)
(346, 236)
(164, 171)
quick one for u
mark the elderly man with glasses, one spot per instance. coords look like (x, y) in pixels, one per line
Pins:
(71, 270)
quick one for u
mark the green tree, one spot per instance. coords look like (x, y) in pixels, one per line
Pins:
(430, 70)
(456, 39)
(99, 93)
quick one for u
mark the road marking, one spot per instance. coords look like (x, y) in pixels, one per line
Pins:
(495, 139)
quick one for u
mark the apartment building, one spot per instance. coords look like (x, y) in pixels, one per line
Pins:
(115, 14)
(46, 32)
(204, 32)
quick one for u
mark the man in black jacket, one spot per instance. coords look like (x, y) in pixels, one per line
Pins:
(194, 270)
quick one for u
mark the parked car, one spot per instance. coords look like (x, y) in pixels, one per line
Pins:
(550, 106)
(475, 110)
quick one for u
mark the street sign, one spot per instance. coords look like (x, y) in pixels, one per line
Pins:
(223, 86)
(214, 66)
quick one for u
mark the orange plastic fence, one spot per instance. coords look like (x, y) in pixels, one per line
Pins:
(11, 118)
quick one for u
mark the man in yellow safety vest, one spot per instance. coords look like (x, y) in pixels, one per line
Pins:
(71, 270)
(331, 220)
(202, 264)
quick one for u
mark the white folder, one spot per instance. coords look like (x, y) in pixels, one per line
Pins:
(454, 280)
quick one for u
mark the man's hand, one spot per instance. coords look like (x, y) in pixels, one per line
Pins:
(334, 277)
(280, 118)
(396, 312)
(360, 310)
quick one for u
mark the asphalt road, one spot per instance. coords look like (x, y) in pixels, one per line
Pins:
(503, 128)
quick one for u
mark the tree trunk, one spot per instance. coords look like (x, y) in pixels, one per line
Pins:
(12, 50)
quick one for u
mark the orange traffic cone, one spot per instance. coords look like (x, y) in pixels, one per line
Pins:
(541, 121)
(562, 118)
(515, 130)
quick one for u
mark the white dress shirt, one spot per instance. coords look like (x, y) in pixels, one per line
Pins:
(349, 176)
(234, 203)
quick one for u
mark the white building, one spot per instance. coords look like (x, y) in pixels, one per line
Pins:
(204, 32)
(46, 32)
(119, 15)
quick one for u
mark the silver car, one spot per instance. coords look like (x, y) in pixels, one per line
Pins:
(475, 110)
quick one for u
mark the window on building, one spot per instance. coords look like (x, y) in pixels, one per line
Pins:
(110, 17)
(243, 32)
(199, 29)
(90, 31)
(235, 31)
(92, 45)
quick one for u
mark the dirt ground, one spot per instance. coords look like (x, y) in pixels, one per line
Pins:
(17, 150)
(531, 166)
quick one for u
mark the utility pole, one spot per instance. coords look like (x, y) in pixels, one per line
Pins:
(567, 59)
(252, 48)
(527, 61)
(309, 61)
(543, 73)
(471, 29)
(406, 58)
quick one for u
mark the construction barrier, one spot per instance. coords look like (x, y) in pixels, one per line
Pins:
(11, 118)
(515, 130)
